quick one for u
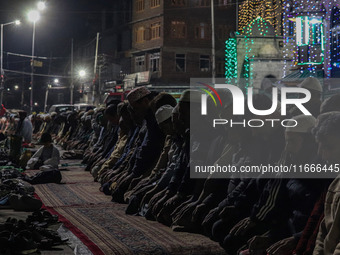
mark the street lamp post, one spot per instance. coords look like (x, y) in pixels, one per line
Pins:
(17, 22)
(46, 96)
(72, 74)
(32, 68)
(213, 52)
(33, 16)
(81, 75)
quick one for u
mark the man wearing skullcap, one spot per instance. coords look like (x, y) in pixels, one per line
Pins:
(181, 186)
(163, 113)
(267, 144)
(285, 204)
(163, 117)
(148, 152)
(126, 127)
(111, 137)
(175, 163)
(24, 128)
(313, 105)
(306, 243)
(328, 137)
(330, 104)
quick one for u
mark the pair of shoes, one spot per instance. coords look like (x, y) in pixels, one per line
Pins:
(49, 218)
(22, 243)
(13, 225)
(18, 186)
(24, 203)
(14, 238)
(8, 225)
(48, 238)
(4, 241)
(25, 237)
(42, 216)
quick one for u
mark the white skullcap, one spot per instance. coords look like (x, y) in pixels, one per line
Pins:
(311, 83)
(175, 110)
(163, 113)
(191, 96)
(305, 123)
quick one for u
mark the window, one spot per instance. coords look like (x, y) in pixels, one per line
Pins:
(201, 31)
(204, 63)
(177, 2)
(178, 29)
(140, 34)
(335, 47)
(154, 62)
(140, 5)
(180, 62)
(335, 17)
(139, 64)
(155, 3)
(291, 27)
(310, 39)
(223, 2)
(317, 33)
(155, 30)
(309, 30)
(203, 2)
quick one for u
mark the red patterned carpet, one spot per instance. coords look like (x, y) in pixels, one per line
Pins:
(103, 226)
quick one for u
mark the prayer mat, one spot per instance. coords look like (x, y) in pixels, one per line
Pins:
(55, 195)
(104, 227)
(114, 232)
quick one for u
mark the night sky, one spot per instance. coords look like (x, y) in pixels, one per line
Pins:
(59, 23)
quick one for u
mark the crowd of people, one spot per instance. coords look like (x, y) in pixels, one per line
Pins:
(140, 151)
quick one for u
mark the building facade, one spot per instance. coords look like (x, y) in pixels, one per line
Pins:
(172, 39)
(257, 47)
(312, 30)
(113, 53)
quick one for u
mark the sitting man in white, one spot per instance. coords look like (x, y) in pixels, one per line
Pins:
(47, 156)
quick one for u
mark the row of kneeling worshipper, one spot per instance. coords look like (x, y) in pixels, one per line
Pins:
(140, 152)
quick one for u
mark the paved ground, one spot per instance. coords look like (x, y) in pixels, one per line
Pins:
(58, 250)
(185, 242)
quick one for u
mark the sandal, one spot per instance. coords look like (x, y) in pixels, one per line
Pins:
(50, 218)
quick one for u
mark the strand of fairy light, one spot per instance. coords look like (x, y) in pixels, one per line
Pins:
(263, 12)
(249, 42)
(306, 8)
(266, 9)
(231, 59)
(328, 56)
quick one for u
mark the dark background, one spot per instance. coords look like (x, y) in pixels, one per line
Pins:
(61, 21)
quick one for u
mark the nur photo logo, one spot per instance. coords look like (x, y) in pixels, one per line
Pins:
(240, 101)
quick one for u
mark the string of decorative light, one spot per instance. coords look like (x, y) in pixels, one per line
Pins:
(231, 59)
(311, 35)
(269, 10)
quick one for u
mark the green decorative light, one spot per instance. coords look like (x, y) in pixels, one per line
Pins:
(249, 42)
(231, 58)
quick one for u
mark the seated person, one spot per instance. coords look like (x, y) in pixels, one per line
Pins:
(328, 138)
(47, 156)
